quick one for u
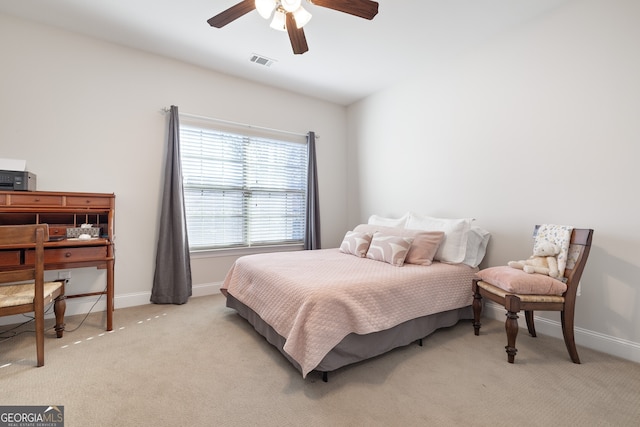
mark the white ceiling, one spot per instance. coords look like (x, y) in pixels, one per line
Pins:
(348, 58)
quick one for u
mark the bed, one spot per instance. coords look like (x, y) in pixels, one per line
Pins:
(324, 309)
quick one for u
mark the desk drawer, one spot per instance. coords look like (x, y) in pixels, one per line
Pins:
(89, 202)
(35, 200)
(67, 255)
(8, 258)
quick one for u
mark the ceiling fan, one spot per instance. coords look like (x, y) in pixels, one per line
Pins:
(290, 16)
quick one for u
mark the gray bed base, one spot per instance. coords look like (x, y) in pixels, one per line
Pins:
(355, 348)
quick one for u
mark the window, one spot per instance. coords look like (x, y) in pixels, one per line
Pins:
(242, 190)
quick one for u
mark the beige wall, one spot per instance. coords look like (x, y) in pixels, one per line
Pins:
(538, 126)
(86, 115)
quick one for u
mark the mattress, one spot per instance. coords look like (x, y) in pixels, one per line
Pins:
(315, 299)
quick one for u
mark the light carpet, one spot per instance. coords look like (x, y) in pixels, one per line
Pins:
(200, 364)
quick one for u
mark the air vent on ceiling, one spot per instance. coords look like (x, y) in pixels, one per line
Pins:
(262, 60)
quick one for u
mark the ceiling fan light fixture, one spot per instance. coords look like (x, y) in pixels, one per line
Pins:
(265, 7)
(279, 21)
(291, 5)
(290, 16)
(302, 17)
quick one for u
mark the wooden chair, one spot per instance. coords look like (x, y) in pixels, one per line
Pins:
(27, 291)
(542, 300)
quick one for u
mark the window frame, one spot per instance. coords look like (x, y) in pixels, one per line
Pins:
(251, 133)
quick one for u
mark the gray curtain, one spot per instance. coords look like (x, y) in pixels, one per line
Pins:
(312, 225)
(172, 279)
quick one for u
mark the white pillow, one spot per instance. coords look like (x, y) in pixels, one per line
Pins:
(453, 248)
(389, 222)
(477, 242)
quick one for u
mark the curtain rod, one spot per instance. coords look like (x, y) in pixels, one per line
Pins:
(229, 122)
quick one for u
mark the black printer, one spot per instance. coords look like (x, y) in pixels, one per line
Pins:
(17, 181)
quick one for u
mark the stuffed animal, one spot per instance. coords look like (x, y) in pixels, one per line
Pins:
(544, 260)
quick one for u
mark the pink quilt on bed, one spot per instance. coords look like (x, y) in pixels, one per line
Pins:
(316, 298)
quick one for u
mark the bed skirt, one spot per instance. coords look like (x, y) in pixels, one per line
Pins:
(355, 348)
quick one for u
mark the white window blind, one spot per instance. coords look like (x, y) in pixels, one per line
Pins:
(241, 190)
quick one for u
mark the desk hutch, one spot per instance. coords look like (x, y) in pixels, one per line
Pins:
(60, 211)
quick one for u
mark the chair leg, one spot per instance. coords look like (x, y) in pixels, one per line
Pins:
(477, 308)
(511, 325)
(566, 317)
(528, 315)
(512, 304)
(39, 315)
(59, 307)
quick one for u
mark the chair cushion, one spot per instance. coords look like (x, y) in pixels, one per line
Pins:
(13, 295)
(518, 282)
(522, 297)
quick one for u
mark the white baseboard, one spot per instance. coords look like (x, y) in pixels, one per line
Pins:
(142, 298)
(624, 349)
(85, 305)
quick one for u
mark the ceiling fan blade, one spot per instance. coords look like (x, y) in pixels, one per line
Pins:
(296, 35)
(363, 8)
(231, 14)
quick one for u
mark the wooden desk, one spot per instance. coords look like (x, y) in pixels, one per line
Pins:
(61, 211)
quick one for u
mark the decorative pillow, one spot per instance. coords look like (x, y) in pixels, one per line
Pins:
(477, 241)
(356, 243)
(518, 282)
(389, 222)
(425, 243)
(390, 249)
(453, 249)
